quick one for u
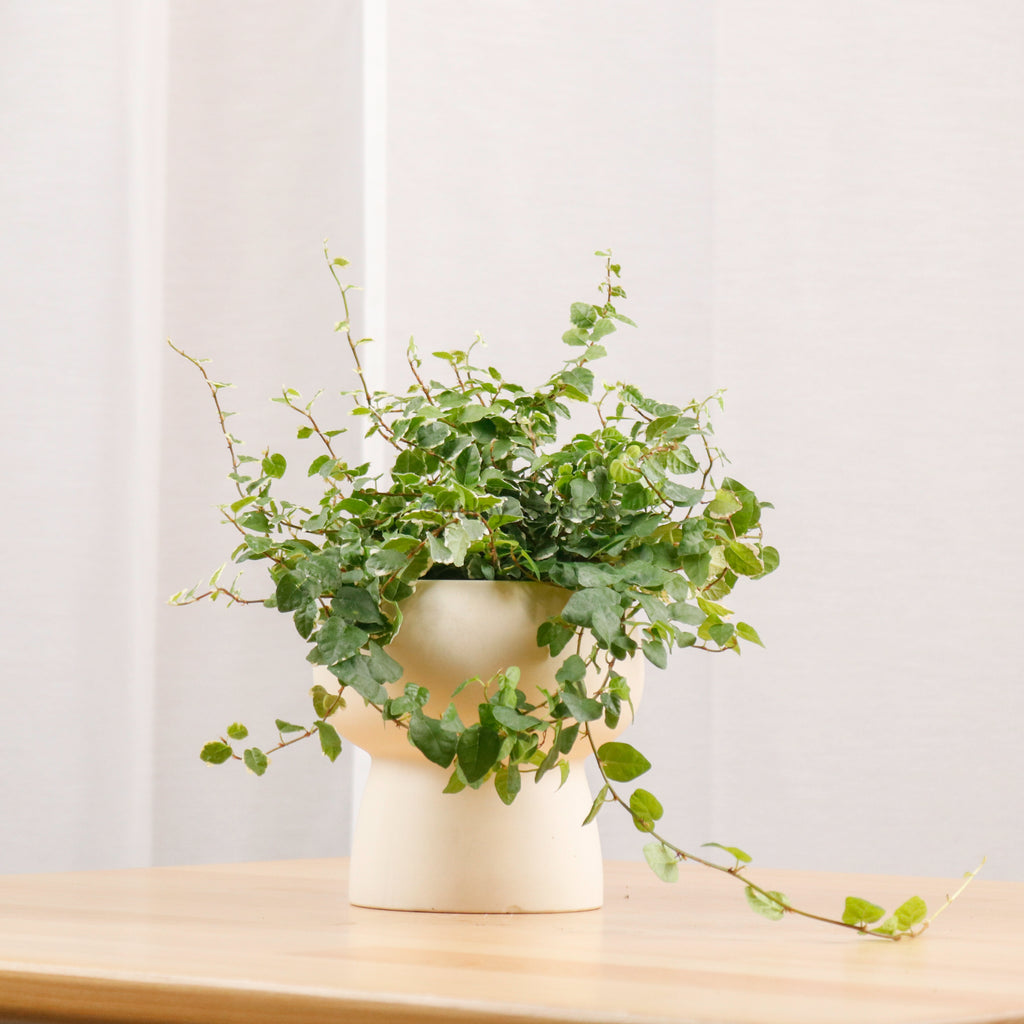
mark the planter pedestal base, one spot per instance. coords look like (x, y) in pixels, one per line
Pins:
(417, 848)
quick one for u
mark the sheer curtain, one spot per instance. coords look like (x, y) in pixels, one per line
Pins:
(168, 169)
(815, 206)
(81, 115)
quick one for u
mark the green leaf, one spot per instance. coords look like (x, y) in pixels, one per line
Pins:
(216, 752)
(598, 609)
(317, 464)
(742, 559)
(337, 640)
(467, 467)
(514, 720)
(455, 784)
(680, 611)
(305, 618)
(712, 608)
(430, 435)
(724, 504)
(255, 760)
(858, 911)
(581, 491)
(484, 431)
(477, 751)
(599, 802)
(330, 741)
(508, 782)
(567, 737)
(654, 608)
(582, 314)
(579, 382)
(355, 672)
(733, 851)
(237, 731)
(635, 496)
(456, 540)
(678, 494)
(439, 552)
(697, 568)
(622, 762)
(554, 635)
(382, 666)
(291, 593)
(549, 760)
(600, 575)
(662, 861)
(355, 605)
(621, 473)
(430, 737)
(470, 413)
(908, 914)
(747, 632)
(274, 466)
(572, 670)
(325, 703)
(655, 653)
(255, 520)
(583, 709)
(771, 905)
(645, 808)
(722, 633)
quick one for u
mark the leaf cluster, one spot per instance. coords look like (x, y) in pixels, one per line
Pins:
(491, 480)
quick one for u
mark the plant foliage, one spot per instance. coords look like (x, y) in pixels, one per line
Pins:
(593, 487)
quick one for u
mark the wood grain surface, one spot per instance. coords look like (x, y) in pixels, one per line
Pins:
(278, 941)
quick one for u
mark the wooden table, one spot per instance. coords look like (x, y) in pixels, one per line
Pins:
(278, 942)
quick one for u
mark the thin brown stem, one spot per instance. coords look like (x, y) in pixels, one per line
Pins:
(737, 871)
(235, 599)
(308, 415)
(419, 380)
(385, 430)
(214, 388)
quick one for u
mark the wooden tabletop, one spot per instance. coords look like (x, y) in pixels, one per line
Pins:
(278, 942)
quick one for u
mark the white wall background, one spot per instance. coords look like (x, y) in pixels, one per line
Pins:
(816, 206)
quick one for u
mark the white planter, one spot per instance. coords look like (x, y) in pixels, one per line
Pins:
(417, 848)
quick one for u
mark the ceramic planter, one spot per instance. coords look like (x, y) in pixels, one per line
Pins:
(417, 848)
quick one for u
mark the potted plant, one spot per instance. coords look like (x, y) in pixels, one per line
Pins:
(479, 611)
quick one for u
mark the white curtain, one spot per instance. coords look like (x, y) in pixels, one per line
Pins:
(816, 206)
(169, 169)
(80, 201)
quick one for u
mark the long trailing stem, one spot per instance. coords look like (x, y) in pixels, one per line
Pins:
(736, 871)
